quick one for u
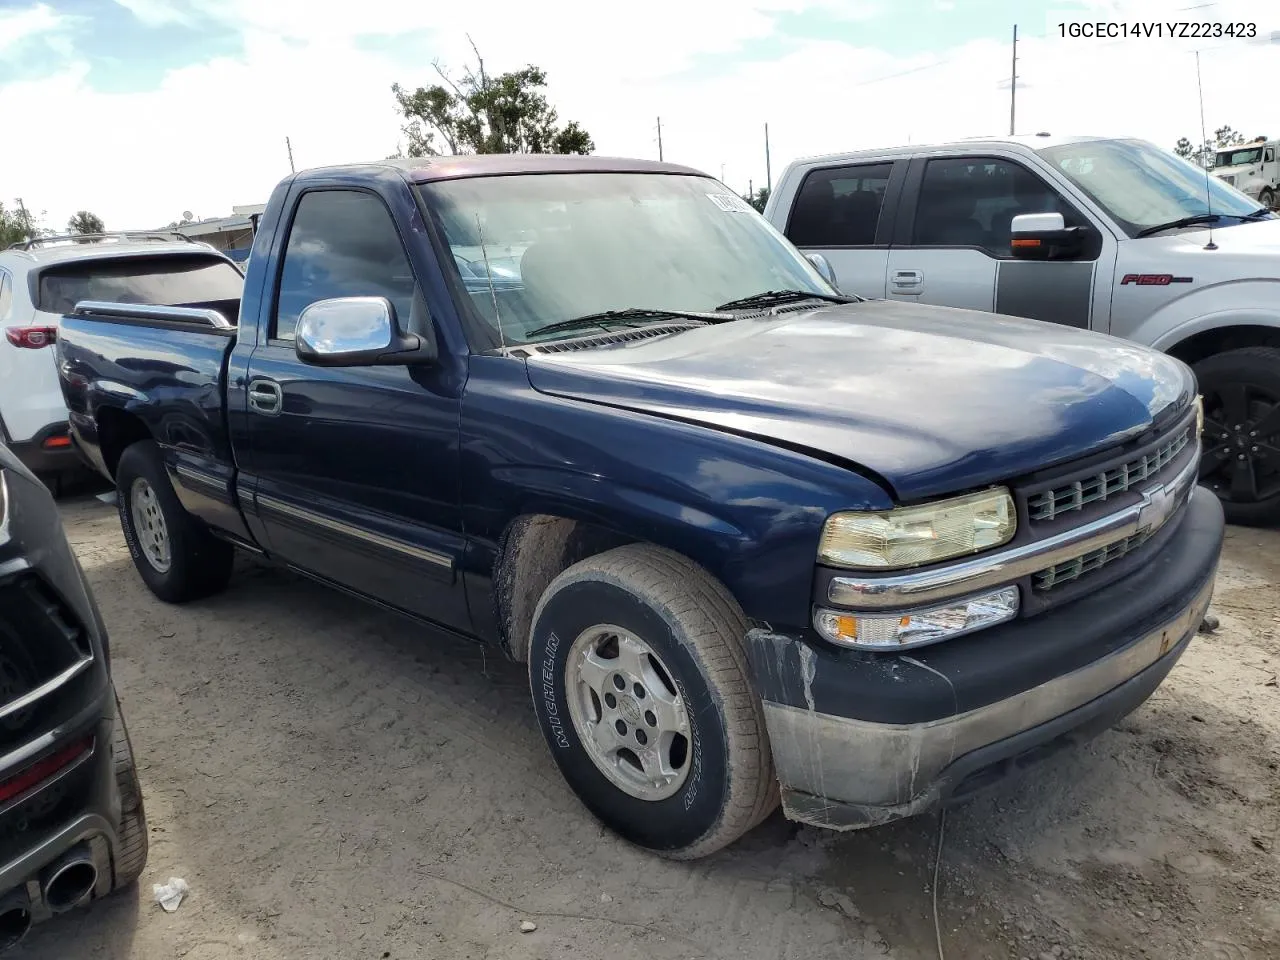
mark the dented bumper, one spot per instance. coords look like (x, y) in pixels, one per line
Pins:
(860, 740)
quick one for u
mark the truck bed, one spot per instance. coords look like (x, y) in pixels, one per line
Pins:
(128, 368)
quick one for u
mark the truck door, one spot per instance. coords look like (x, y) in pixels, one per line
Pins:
(953, 243)
(356, 467)
(844, 213)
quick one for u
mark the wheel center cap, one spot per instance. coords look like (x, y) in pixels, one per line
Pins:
(629, 709)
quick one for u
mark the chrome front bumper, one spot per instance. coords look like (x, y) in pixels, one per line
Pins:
(1159, 504)
(846, 773)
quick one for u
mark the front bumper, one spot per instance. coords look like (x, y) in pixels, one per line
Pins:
(861, 739)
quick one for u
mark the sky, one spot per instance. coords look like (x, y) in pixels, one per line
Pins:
(141, 110)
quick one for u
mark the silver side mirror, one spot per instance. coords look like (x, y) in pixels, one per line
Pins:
(823, 266)
(347, 331)
(1037, 223)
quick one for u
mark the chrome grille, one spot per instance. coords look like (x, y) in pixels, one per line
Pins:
(1049, 504)
(1076, 568)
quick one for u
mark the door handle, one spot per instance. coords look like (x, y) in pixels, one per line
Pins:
(265, 397)
(906, 279)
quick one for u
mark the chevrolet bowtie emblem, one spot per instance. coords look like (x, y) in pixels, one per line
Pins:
(1157, 504)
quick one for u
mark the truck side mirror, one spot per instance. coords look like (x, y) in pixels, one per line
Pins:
(823, 266)
(356, 332)
(1044, 236)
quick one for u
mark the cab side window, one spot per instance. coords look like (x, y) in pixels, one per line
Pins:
(6, 295)
(343, 243)
(971, 202)
(839, 206)
(1270, 154)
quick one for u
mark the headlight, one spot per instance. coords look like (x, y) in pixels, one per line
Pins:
(913, 536)
(1199, 416)
(900, 631)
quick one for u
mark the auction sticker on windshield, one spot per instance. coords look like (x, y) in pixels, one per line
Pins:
(729, 203)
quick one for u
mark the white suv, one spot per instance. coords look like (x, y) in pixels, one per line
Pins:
(42, 279)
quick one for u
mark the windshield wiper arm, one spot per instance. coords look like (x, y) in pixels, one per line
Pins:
(629, 316)
(1257, 214)
(1183, 222)
(770, 297)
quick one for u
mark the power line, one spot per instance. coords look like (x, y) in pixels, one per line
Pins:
(902, 73)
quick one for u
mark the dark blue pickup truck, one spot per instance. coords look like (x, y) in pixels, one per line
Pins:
(756, 541)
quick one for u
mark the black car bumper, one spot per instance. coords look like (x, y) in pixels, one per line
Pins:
(864, 739)
(50, 451)
(59, 797)
(75, 805)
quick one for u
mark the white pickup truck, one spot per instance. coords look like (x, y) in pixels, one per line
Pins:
(1112, 235)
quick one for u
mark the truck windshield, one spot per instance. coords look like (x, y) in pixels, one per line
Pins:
(1233, 158)
(167, 281)
(1140, 185)
(537, 249)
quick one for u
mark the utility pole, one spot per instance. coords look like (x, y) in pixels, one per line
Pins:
(289, 147)
(26, 220)
(1013, 81)
(659, 138)
(768, 172)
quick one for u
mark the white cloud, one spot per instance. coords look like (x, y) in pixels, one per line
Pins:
(212, 134)
(157, 12)
(18, 27)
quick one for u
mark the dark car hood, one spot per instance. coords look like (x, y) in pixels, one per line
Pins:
(933, 400)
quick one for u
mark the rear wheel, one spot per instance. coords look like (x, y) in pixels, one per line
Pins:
(1241, 444)
(131, 854)
(176, 555)
(640, 685)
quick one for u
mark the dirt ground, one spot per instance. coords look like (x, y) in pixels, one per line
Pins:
(334, 782)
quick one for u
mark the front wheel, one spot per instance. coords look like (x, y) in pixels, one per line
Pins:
(175, 554)
(1240, 461)
(640, 684)
(1267, 198)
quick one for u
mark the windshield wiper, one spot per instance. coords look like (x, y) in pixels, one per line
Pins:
(1183, 222)
(630, 316)
(1199, 219)
(770, 297)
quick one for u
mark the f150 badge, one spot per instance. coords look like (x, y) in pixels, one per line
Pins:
(1153, 279)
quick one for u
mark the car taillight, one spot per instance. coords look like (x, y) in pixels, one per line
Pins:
(32, 338)
(41, 771)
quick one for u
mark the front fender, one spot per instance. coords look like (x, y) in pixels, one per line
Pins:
(1234, 303)
(748, 511)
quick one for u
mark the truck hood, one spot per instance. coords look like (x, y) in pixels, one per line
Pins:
(1237, 168)
(1258, 237)
(929, 400)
